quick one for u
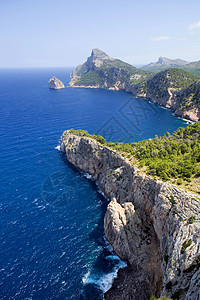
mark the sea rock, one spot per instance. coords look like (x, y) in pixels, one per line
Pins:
(147, 223)
(55, 83)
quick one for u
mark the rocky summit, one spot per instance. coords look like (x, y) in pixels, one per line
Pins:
(153, 225)
(55, 83)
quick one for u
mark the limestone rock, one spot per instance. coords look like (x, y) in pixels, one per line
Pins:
(55, 83)
(144, 227)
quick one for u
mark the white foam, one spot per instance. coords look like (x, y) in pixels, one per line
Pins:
(102, 193)
(105, 281)
(57, 147)
(85, 277)
(88, 176)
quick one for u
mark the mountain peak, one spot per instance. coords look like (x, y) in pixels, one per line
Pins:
(97, 51)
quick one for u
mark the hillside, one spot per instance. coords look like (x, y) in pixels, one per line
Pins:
(102, 71)
(167, 87)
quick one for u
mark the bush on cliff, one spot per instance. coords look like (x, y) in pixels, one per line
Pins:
(171, 156)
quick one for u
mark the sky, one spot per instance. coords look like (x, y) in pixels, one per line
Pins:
(62, 33)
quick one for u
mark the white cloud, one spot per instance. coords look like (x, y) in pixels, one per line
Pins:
(161, 38)
(194, 26)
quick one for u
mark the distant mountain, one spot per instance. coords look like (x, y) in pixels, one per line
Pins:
(195, 64)
(164, 63)
(173, 88)
(102, 71)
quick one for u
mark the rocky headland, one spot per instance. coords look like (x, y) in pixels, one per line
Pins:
(153, 225)
(172, 88)
(55, 83)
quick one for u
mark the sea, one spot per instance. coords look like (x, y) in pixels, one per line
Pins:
(52, 243)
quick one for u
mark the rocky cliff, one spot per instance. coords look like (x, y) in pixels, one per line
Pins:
(55, 83)
(172, 88)
(102, 71)
(153, 225)
(163, 88)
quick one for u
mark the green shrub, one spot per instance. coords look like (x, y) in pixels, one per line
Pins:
(191, 220)
(196, 264)
(179, 181)
(171, 199)
(185, 245)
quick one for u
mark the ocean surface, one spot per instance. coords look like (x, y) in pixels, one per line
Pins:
(52, 244)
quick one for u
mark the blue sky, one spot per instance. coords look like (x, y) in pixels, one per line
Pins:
(51, 33)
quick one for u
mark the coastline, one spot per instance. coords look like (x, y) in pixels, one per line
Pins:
(149, 205)
(190, 120)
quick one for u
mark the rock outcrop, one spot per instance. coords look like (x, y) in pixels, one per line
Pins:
(153, 225)
(55, 83)
(102, 71)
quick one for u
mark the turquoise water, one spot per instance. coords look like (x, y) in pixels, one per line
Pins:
(51, 225)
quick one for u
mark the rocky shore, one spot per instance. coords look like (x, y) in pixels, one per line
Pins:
(154, 226)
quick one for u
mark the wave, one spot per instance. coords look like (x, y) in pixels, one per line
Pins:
(57, 147)
(104, 281)
(88, 176)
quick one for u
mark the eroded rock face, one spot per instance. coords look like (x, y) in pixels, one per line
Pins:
(55, 83)
(147, 222)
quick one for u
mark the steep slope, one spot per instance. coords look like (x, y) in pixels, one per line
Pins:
(163, 88)
(188, 101)
(102, 71)
(164, 63)
(153, 225)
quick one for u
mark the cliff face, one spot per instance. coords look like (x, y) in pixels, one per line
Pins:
(175, 89)
(147, 222)
(102, 71)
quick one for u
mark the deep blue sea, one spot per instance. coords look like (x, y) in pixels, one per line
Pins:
(52, 244)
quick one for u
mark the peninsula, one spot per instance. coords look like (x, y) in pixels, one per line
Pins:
(153, 224)
(173, 88)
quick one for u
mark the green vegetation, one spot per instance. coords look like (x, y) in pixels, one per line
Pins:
(175, 157)
(90, 78)
(196, 264)
(191, 220)
(185, 245)
(172, 200)
(174, 78)
(81, 132)
(190, 96)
